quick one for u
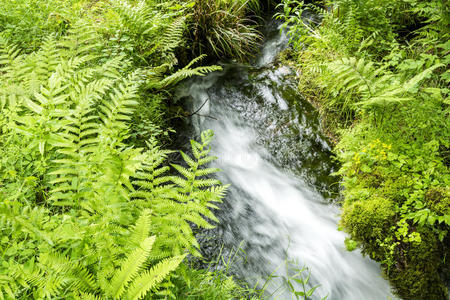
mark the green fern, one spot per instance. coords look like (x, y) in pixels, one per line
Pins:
(156, 79)
(130, 268)
(137, 17)
(8, 54)
(356, 82)
(82, 213)
(157, 41)
(55, 274)
(179, 201)
(81, 40)
(173, 35)
(149, 279)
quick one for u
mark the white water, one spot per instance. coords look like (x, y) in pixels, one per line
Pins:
(277, 213)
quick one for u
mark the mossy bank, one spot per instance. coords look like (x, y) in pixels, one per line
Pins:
(378, 71)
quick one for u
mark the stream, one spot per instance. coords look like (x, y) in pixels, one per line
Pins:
(279, 207)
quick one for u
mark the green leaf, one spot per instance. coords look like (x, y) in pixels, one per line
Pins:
(366, 169)
(130, 267)
(147, 280)
(311, 291)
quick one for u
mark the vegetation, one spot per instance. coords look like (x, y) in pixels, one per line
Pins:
(378, 70)
(89, 206)
(222, 28)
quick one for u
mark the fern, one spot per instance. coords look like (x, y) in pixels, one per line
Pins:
(187, 200)
(141, 230)
(8, 54)
(130, 267)
(54, 273)
(173, 35)
(157, 37)
(156, 79)
(68, 105)
(81, 40)
(149, 279)
(136, 17)
(82, 213)
(356, 82)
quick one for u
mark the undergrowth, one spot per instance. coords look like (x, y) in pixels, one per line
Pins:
(89, 206)
(379, 72)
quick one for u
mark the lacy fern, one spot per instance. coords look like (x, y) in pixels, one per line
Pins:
(82, 213)
(156, 79)
(179, 201)
(378, 72)
(357, 82)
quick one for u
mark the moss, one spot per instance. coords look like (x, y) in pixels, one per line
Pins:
(416, 271)
(286, 57)
(439, 200)
(416, 275)
(392, 186)
(375, 178)
(368, 221)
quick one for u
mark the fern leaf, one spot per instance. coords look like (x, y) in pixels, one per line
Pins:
(173, 35)
(183, 171)
(149, 279)
(141, 229)
(130, 268)
(413, 82)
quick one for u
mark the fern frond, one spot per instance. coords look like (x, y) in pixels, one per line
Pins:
(9, 54)
(136, 17)
(206, 182)
(206, 171)
(118, 110)
(81, 40)
(87, 296)
(156, 80)
(187, 73)
(42, 64)
(183, 171)
(173, 35)
(75, 275)
(130, 268)
(149, 279)
(141, 229)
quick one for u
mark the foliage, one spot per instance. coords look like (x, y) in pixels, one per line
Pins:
(27, 23)
(221, 28)
(89, 206)
(295, 277)
(187, 199)
(156, 79)
(148, 33)
(83, 213)
(381, 71)
(191, 283)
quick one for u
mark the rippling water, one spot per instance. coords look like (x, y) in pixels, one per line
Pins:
(271, 150)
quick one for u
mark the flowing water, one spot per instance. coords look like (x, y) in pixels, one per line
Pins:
(271, 150)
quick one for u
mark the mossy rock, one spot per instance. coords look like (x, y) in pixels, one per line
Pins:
(393, 187)
(368, 222)
(375, 178)
(439, 200)
(416, 275)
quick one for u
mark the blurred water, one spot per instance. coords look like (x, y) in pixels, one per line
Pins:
(270, 148)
